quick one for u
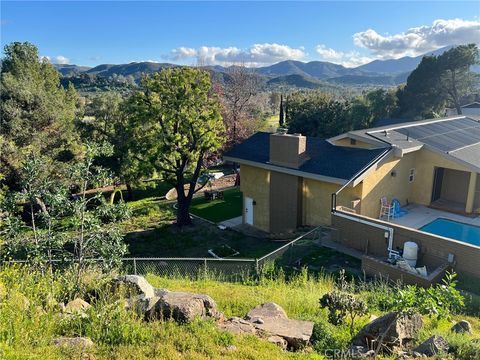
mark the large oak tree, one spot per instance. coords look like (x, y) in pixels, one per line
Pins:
(173, 122)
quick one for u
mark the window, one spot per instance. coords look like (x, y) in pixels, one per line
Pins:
(411, 176)
(353, 142)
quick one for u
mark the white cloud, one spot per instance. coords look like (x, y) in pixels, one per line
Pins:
(348, 59)
(419, 40)
(257, 54)
(60, 59)
(328, 53)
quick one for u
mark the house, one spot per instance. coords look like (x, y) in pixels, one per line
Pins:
(289, 180)
(468, 109)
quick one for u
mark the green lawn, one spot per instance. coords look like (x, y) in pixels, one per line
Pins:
(219, 210)
(271, 123)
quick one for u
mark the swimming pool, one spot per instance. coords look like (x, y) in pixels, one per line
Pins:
(454, 230)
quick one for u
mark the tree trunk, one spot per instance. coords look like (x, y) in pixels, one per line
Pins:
(459, 109)
(129, 191)
(183, 216)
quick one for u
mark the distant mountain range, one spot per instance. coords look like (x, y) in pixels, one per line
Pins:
(285, 73)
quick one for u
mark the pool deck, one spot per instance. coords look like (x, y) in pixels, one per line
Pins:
(419, 215)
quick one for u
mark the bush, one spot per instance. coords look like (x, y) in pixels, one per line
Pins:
(340, 305)
(109, 213)
(440, 300)
(326, 337)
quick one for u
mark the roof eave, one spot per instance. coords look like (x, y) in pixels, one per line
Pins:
(453, 158)
(286, 170)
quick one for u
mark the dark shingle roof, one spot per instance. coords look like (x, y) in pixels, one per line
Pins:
(324, 158)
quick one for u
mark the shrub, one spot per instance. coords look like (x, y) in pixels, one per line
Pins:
(109, 213)
(340, 305)
(440, 300)
(326, 337)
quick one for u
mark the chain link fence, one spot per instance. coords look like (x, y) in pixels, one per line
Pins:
(290, 255)
(297, 252)
(191, 267)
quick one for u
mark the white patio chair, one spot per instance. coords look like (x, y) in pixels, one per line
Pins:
(386, 209)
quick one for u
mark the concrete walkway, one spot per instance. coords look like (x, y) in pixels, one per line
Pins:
(230, 223)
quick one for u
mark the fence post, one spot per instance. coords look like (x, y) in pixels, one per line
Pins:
(205, 268)
(257, 269)
(135, 266)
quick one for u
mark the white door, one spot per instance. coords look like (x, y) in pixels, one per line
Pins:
(248, 211)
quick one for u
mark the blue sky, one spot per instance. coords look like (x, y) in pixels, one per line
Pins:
(257, 33)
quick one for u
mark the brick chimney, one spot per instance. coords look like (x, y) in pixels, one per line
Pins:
(288, 149)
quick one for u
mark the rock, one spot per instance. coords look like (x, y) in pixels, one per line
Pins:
(433, 346)
(231, 348)
(135, 285)
(267, 310)
(238, 326)
(297, 333)
(82, 342)
(360, 352)
(184, 307)
(143, 306)
(395, 330)
(160, 292)
(417, 355)
(461, 327)
(279, 341)
(77, 307)
(272, 319)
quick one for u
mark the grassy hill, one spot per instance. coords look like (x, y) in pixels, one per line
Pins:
(29, 318)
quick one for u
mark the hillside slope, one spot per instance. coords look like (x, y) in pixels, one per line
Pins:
(30, 319)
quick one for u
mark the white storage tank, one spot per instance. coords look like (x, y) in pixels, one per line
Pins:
(410, 253)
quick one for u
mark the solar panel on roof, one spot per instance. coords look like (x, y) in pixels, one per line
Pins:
(446, 135)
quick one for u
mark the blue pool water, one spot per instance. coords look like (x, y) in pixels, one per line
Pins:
(454, 230)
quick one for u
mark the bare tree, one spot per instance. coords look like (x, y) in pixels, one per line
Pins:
(240, 86)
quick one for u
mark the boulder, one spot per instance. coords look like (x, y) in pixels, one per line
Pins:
(77, 307)
(184, 307)
(238, 326)
(433, 346)
(270, 321)
(394, 330)
(144, 307)
(297, 333)
(135, 285)
(267, 310)
(279, 341)
(461, 327)
(81, 342)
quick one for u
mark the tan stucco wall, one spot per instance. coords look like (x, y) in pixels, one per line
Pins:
(285, 202)
(317, 200)
(359, 144)
(426, 161)
(255, 183)
(380, 182)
